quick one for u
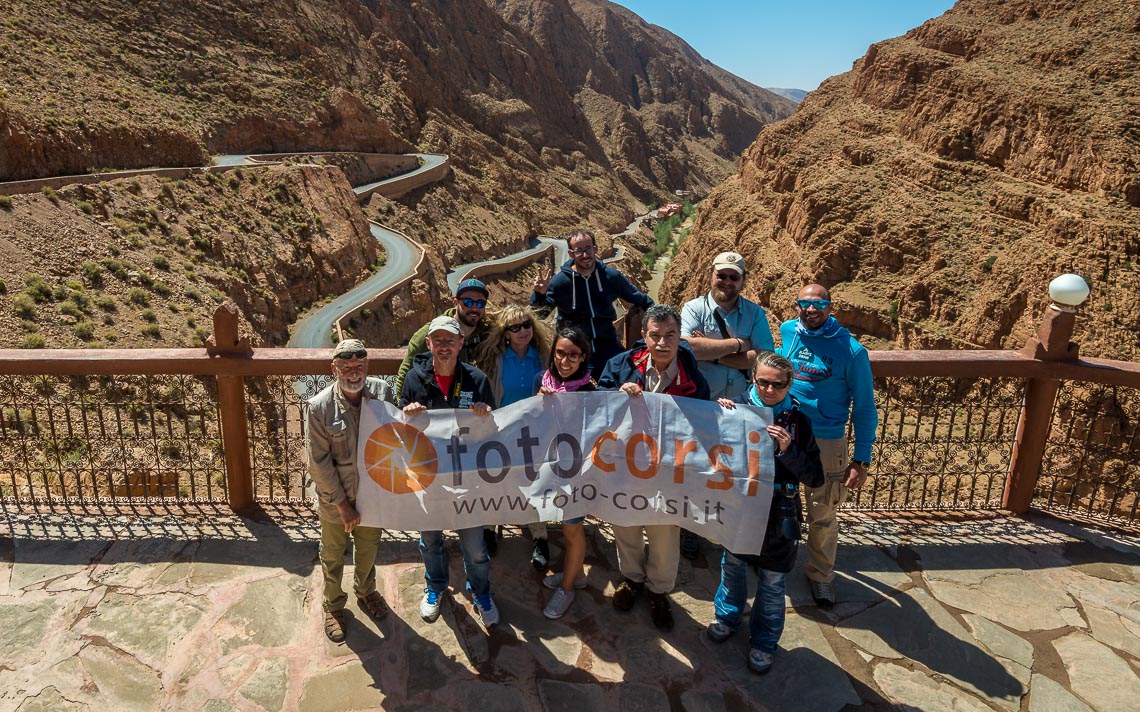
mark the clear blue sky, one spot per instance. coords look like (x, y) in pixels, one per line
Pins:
(793, 44)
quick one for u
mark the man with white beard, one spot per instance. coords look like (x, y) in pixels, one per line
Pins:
(330, 444)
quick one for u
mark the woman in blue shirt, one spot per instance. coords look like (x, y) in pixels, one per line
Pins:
(513, 354)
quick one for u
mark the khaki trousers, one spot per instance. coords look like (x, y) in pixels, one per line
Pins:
(334, 541)
(822, 503)
(657, 568)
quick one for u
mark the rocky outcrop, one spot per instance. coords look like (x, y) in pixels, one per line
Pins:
(939, 185)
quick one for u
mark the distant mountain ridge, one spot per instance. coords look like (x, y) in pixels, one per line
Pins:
(796, 95)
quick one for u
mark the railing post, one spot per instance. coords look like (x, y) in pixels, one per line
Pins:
(231, 403)
(1052, 344)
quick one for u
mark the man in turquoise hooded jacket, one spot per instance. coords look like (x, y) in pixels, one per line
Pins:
(833, 383)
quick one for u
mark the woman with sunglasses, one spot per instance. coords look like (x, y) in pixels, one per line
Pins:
(569, 372)
(516, 346)
(797, 463)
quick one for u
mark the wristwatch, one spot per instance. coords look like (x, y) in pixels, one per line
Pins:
(862, 463)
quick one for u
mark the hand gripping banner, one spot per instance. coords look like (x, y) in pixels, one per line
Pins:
(650, 460)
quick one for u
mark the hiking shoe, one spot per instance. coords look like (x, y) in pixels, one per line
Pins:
(540, 555)
(429, 606)
(626, 594)
(760, 662)
(718, 632)
(488, 612)
(559, 604)
(491, 541)
(660, 611)
(822, 594)
(554, 581)
(690, 545)
(374, 605)
(334, 626)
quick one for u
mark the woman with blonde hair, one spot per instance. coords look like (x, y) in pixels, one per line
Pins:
(513, 355)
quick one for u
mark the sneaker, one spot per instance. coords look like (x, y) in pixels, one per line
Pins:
(760, 662)
(690, 545)
(718, 632)
(554, 581)
(488, 612)
(626, 594)
(540, 556)
(429, 606)
(491, 541)
(660, 611)
(822, 594)
(559, 604)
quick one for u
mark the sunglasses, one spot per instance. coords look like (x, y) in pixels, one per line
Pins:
(819, 304)
(476, 303)
(345, 355)
(778, 385)
(728, 276)
(568, 356)
(516, 328)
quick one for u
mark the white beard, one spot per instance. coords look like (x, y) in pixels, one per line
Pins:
(351, 387)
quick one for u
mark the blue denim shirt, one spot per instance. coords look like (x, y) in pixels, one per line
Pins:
(518, 375)
(747, 321)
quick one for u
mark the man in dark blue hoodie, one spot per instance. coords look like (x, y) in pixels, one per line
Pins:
(833, 383)
(584, 291)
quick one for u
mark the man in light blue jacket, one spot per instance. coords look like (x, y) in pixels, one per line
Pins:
(833, 383)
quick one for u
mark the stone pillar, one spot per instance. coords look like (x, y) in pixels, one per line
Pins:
(227, 343)
(1052, 344)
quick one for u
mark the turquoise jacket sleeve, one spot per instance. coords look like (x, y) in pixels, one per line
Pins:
(864, 414)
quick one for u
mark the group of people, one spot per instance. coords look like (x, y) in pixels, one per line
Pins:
(718, 347)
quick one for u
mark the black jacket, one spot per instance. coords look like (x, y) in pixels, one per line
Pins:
(588, 302)
(469, 387)
(629, 367)
(798, 465)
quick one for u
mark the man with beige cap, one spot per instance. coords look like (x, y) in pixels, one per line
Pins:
(331, 432)
(725, 331)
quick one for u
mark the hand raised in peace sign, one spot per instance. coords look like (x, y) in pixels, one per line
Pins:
(542, 280)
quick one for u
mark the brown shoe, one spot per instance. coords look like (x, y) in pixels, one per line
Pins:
(334, 626)
(660, 611)
(374, 605)
(626, 594)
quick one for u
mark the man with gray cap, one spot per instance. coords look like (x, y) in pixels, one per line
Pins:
(468, 307)
(331, 432)
(438, 380)
(725, 331)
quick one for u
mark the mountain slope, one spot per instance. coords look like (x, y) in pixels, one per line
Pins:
(940, 184)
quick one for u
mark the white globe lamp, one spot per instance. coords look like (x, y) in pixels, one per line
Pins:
(1068, 292)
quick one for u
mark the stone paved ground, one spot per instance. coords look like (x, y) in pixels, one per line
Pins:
(206, 611)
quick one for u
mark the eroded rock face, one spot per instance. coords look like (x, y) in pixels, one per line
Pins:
(940, 184)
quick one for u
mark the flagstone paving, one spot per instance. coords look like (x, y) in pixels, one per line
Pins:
(203, 610)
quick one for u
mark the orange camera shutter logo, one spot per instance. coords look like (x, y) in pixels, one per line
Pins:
(400, 458)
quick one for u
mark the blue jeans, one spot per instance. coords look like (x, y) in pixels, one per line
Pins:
(766, 623)
(476, 563)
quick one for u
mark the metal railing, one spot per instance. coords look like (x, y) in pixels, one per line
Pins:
(183, 425)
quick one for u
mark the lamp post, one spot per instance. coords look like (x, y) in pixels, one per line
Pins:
(1051, 344)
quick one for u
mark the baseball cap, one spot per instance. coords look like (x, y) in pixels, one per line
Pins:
(471, 284)
(347, 347)
(729, 260)
(444, 323)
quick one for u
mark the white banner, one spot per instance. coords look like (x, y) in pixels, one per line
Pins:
(650, 460)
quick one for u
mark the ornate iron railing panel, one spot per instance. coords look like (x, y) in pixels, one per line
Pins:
(93, 438)
(277, 408)
(1091, 464)
(943, 443)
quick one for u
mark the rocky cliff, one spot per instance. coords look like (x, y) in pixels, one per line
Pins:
(941, 183)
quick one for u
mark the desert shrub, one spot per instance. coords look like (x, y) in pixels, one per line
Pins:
(83, 329)
(24, 306)
(152, 330)
(50, 194)
(85, 206)
(988, 264)
(3, 287)
(33, 341)
(160, 262)
(118, 268)
(37, 288)
(138, 296)
(70, 309)
(106, 302)
(6, 202)
(92, 272)
(193, 295)
(149, 315)
(161, 289)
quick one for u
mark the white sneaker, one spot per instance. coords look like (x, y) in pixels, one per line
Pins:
(429, 606)
(559, 604)
(554, 581)
(488, 611)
